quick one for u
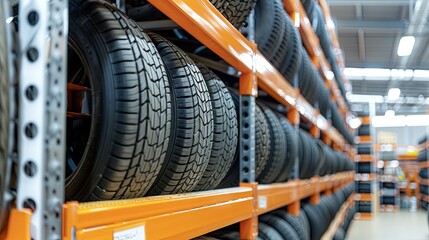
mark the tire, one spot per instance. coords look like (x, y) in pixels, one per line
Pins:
(225, 132)
(424, 173)
(205, 238)
(280, 225)
(295, 222)
(316, 220)
(191, 137)
(233, 236)
(364, 130)
(291, 146)
(340, 234)
(118, 151)
(276, 162)
(267, 232)
(293, 57)
(235, 11)
(6, 113)
(272, 34)
(309, 79)
(364, 149)
(262, 147)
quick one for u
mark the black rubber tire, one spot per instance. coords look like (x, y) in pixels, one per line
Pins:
(236, 11)
(309, 79)
(317, 221)
(191, 137)
(291, 146)
(262, 147)
(233, 236)
(267, 232)
(293, 58)
(340, 234)
(364, 130)
(130, 125)
(295, 222)
(280, 225)
(225, 133)
(205, 238)
(6, 105)
(364, 149)
(276, 162)
(424, 173)
(272, 34)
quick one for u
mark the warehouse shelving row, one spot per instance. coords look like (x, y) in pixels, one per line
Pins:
(365, 179)
(40, 195)
(158, 216)
(339, 219)
(312, 44)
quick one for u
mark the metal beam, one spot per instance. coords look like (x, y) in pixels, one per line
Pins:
(368, 2)
(361, 42)
(374, 25)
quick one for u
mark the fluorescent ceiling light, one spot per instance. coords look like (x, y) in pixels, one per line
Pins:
(400, 121)
(389, 113)
(393, 94)
(406, 45)
(355, 123)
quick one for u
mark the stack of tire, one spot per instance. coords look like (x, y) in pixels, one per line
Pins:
(316, 158)
(342, 231)
(339, 123)
(277, 37)
(321, 215)
(276, 148)
(144, 119)
(311, 224)
(275, 225)
(317, 19)
(424, 172)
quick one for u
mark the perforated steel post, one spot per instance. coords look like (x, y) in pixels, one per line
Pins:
(43, 32)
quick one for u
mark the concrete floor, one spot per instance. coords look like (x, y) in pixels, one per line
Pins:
(401, 225)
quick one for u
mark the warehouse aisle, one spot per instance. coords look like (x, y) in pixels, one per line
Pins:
(393, 226)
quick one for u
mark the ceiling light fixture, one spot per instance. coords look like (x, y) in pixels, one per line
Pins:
(389, 113)
(406, 45)
(393, 94)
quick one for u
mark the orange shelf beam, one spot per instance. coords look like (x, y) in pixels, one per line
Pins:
(159, 217)
(363, 216)
(364, 158)
(365, 177)
(367, 197)
(274, 196)
(338, 220)
(423, 181)
(364, 139)
(424, 164)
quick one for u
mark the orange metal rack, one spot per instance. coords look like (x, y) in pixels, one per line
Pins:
(190, 215)
(339, 219)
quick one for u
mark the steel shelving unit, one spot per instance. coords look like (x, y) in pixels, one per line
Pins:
(40, 211)
(365, 180)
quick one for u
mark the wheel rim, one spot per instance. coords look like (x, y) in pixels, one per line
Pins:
(79, 109)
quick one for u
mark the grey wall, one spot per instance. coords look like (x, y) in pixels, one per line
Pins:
(405, 135)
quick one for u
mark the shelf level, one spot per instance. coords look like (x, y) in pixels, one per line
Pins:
(424, 164)
(182, 216)
(364, 158)
(338, 220)
(202, 20)
(312, 44)
(274, 196)
(366, 197)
